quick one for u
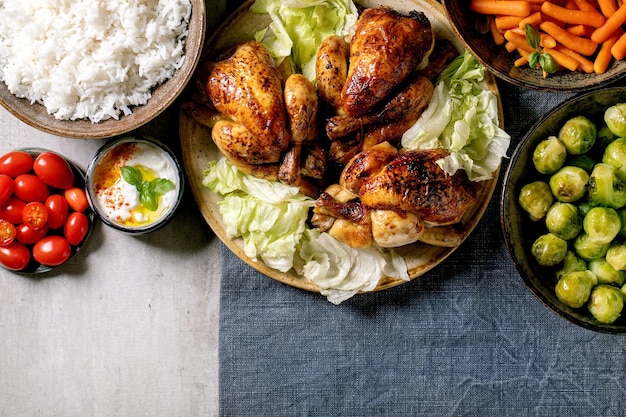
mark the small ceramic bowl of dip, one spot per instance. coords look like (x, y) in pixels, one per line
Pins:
(134, 184)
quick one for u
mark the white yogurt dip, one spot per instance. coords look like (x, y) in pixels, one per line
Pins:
(119, 201)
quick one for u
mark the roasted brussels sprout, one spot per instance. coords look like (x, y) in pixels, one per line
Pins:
(605, 273)
(622, 218)
(549, 155)
(536, 198)
(616, 255)
(549, 249)
(615, 154)
(585, 162)
(602, 224)
(583, 208)
(578, 134)
(569, 184)
(574, 288)
(571, 263)
(564, 220)
(588, 249)
(606, 188)
(606, 303)
(615, 119)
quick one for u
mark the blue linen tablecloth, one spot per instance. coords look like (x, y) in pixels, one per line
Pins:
(466, 339)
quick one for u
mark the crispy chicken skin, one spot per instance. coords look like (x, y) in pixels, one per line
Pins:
(247, 88)
(414, 182)
(384, 50)
(331, 70)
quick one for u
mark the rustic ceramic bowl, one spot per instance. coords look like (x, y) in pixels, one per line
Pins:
(163, 96)
(501, 62)
(35, 267)
(155, 153)
(520, 232)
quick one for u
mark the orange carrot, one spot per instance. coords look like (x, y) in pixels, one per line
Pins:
(546, 40)
(580, 30)
(611, 24)
(574, 17)
(497, 36)
(504, 23)
(585, 6)
(604, 57)
(583, 63)
(518, 40)
(510, 46)
(501, 7)
(562, 59)
(607, 7)
(576, 43)
(618, 50)
(532, 19)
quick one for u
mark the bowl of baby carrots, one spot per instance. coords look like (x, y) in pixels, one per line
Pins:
(546, 45)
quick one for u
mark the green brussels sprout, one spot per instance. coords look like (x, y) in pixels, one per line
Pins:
(571, 263)
(605, 187)
(569, 184)
(602, 224)
(578, 134)
(549, 249)
(606, 303)
(549, 155)
(615, 119)
(616, 255)
(585, 162)
(605, 273)
(588, 249)
(583, 208)
(605, 136)
(615, 154)
(564, 220)
(536, 198)
(574, 288)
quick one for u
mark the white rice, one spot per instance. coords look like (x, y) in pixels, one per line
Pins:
(90, 59)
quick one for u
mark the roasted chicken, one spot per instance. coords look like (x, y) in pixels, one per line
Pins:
(247, 88)
(385, 49)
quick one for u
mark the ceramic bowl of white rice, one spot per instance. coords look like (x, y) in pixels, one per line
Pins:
(93, 69)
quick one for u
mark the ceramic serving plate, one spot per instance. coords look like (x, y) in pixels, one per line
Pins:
(198, 149)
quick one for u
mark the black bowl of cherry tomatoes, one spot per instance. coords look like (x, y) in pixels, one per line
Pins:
(45, 217)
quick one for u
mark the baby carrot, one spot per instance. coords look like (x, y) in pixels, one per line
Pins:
(510, 46)
(576, 43)
(532, 19)
(583, 63)
(574, 17)
(607, 7)
(501, 7)
(497, 36)
(611, 24)
(504, 23)
(580, 30)
(585, 6)
(518, 40)
(618, 50)
(562, 59)
(604, 57)
(545, 40)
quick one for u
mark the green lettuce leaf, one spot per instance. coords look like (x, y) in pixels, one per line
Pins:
(462, 117)
(298, 27)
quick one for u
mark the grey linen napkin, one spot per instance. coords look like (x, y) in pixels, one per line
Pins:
(466, 339)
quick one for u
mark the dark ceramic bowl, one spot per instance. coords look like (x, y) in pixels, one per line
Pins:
(520, 232)
(35, 267)
(153, 155)
(501, 63)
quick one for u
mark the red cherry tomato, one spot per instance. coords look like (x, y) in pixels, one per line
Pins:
(30, 187)
(14, 256)
(11, 211)
(6, 188)
(57, 210)
(28, 236)
(76, 227)
(16, 163)
(77, 199)
(54, 170)
(35, 215)
(7, 232)
(52, 250)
